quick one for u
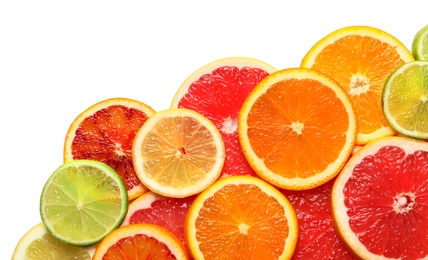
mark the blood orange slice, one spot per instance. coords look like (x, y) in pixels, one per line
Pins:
(104, 132)
(317, 236)
(217, 91)
(379, 200)
(163, 211)
(141, 241)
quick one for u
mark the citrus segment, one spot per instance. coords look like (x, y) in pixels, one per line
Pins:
(104, 132)
(297, 128)
(241, 217)
(379, 200)
(405, 99)
(217, 91)
(163, 211)
(38, 244)
(420, 44)
(360, 59)
(317, 236)
(141, 241)
(178, 152)
(83, 201)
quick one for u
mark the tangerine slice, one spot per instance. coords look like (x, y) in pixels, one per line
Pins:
(360, 59)
(297, 128)
(217, 91)
(379, 200)
(105, 132)
(241, 217)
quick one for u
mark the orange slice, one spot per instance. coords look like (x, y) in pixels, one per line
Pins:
(178, 152)
(241, 217)
(105, 132)
(297, 128)
(360, 59)
(217, 91)
(379, 200)
(141, 241)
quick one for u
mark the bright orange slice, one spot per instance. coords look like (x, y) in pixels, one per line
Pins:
(379, 200)
(241, 217)
(297, 128)
(141, 241)
(217, 91)
(360, 59)
(178, 152)
(105, 132)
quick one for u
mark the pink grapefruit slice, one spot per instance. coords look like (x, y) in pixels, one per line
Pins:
(380, 200)
(217, 91)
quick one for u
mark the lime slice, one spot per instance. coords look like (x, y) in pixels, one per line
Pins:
(420, 44)
(83, 201)
(405, 99)
(39, 244)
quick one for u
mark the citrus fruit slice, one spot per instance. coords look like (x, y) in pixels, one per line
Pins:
(241, 217)
(178, 152)
(379, 200)
(405, 99)
(297, 128)
(360, 59)
(141, 241)
(104, 132)
(217, 91)
(317, 236)
(420, 44)
(83, 201)
(163, 211)
(38, 244)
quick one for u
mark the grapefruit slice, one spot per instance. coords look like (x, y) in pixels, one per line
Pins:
(141, 241)
(360, 59)
(163, 211)
(317, 237)
(379, 200)
(217, 91)
(104, 132)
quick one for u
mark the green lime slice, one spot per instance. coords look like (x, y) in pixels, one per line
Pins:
(420, 44)
(405, 99)
(83, 201)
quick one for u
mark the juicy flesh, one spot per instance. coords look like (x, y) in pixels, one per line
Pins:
(298, 127)
(107, 136)
(50, 248)
(387, 203)
(219, 96)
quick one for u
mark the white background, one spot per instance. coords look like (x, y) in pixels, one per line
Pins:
(57, 58)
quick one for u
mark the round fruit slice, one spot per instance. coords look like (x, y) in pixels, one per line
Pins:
(405, 99)
(83, 201)
(297, 128)
(379, 200)
(317, 236)
(104, 132)
(217, 91)
(360, 59)
(178, 152)
(241, 217)
(141, 241)
(163, 211)
(39, 244)
(420, 44)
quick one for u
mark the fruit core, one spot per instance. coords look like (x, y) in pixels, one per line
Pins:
(403, 202)
(119, 150)
(297, 127)
(230, 125)
(359, 84)
(243, 228)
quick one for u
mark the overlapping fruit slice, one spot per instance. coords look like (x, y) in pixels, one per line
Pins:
(217, 91)
(360, 59)
(104, 132)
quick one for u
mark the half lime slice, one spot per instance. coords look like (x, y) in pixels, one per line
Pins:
(83, 201)
(420, 44)
(405, 99)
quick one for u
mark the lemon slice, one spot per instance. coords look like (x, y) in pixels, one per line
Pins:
(83, 201)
